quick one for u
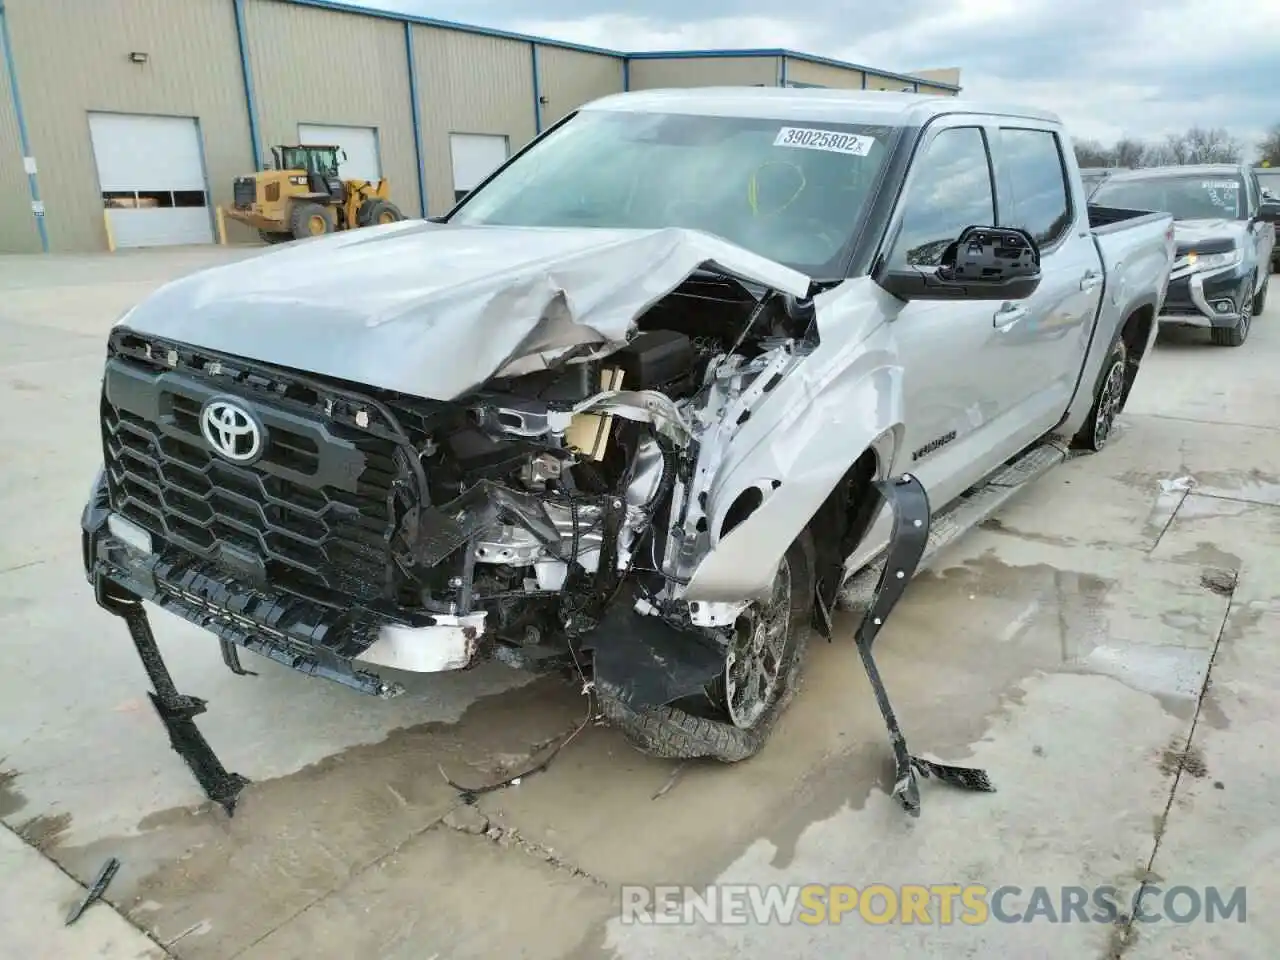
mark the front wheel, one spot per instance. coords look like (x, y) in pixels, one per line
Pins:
(1260, 301)
(734, 718)
(1107, 400)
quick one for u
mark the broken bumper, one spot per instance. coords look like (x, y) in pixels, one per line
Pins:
(122, 562)
(1206, 300)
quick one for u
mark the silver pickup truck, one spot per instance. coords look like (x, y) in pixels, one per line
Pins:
(686, 372)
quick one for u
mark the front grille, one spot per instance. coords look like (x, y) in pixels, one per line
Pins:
(244, 191)
(311, 516)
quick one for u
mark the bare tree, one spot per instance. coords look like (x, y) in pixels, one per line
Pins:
(1269, 147)
(1091, 153)
(1129, 152)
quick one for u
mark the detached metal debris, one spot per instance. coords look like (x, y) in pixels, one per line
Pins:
(95, 892)
(907, 498)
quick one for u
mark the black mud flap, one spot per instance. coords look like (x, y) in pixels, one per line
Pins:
(645, 662)
(909, 502)
(176, 711)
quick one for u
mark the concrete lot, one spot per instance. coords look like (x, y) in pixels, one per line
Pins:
(1086, 648)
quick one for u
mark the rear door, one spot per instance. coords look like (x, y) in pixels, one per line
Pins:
(960, 391)
(1044, 338)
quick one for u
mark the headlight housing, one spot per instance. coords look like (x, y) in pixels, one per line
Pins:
(1201, 262)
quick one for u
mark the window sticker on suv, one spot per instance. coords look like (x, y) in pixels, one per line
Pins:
(833, 141)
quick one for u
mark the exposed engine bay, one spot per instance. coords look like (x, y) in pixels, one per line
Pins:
(550, 491)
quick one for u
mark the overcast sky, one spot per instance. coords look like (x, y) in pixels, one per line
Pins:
(1108, 67)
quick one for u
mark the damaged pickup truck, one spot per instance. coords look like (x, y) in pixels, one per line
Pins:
(683, 374)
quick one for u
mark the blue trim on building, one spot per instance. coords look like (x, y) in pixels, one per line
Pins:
(246, 71)
(626, 75)
(864, 79)
(419, 153)
(537, 88)
(449, 25)
(33, 184)
(782, 70)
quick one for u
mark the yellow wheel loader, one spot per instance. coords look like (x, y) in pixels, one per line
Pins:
(301, 195)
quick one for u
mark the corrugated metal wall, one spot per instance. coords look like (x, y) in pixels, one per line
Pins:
(71, 60)
(823, 74)
(570, 78)
(468, 83)
(333, 68)
(936, 91)
(18, 232)
(703, 72)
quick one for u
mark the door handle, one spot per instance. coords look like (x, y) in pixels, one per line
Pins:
(1009, 314)
(1090, 281)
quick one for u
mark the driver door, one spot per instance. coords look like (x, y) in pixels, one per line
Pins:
(961, 393)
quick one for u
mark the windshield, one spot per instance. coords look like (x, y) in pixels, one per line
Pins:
(1187, 198)
(321, 160)
(791, 192)
(1270, 182)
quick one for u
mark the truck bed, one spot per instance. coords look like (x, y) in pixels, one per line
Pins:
(1103, 219)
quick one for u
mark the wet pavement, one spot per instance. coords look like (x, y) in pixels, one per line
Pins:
(1065, 647)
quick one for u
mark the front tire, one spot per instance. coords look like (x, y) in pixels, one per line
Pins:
(311, 220)
(1260, 301)
(725, 723)
(1108, 398)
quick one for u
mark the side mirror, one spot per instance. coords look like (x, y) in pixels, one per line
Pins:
(1269, 211)
(985, 263)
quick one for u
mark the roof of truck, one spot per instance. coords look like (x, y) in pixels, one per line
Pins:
(810, 103)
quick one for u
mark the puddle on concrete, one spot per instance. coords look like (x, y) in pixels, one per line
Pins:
(11, 801)
(1178, 758)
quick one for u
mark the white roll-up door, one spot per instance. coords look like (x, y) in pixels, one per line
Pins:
(151, 173)
(475, 156)
(359, 143)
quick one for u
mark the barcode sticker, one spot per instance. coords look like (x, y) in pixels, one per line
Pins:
(832, 141)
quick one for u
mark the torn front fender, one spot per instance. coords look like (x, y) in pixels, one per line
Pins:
(434, 310)
(837, 403)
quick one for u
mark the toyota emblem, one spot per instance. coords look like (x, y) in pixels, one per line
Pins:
(231, 430)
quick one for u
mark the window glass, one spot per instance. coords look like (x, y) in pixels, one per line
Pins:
(1185, 197)
(1033, 185)
(950, 189)
(788, 191)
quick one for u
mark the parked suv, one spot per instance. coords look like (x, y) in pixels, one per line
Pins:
(1226, 241)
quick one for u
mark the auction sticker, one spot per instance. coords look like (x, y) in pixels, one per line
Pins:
(1219, 185)
(833, 141)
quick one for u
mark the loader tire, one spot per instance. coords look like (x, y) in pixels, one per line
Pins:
(272, 237)
(373, 213)
(701, 727)
(311, 220)
(1108, 397)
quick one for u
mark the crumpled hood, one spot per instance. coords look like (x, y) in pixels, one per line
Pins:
(434, 310)
(1196, 234)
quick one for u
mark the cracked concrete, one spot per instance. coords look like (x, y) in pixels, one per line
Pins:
(1104, 648)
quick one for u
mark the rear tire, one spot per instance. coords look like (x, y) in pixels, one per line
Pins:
(1108, 397)
(674, 733)
(308, 219)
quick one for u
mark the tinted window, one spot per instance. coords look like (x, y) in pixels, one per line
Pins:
(1033, 186)
(950, 190)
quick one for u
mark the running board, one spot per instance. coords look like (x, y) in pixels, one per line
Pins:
(965, 514)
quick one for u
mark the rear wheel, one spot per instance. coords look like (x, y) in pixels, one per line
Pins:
(739, 710)
(1107, 399)
(311, 220)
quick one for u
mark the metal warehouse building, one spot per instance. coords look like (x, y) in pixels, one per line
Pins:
(137, 115)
